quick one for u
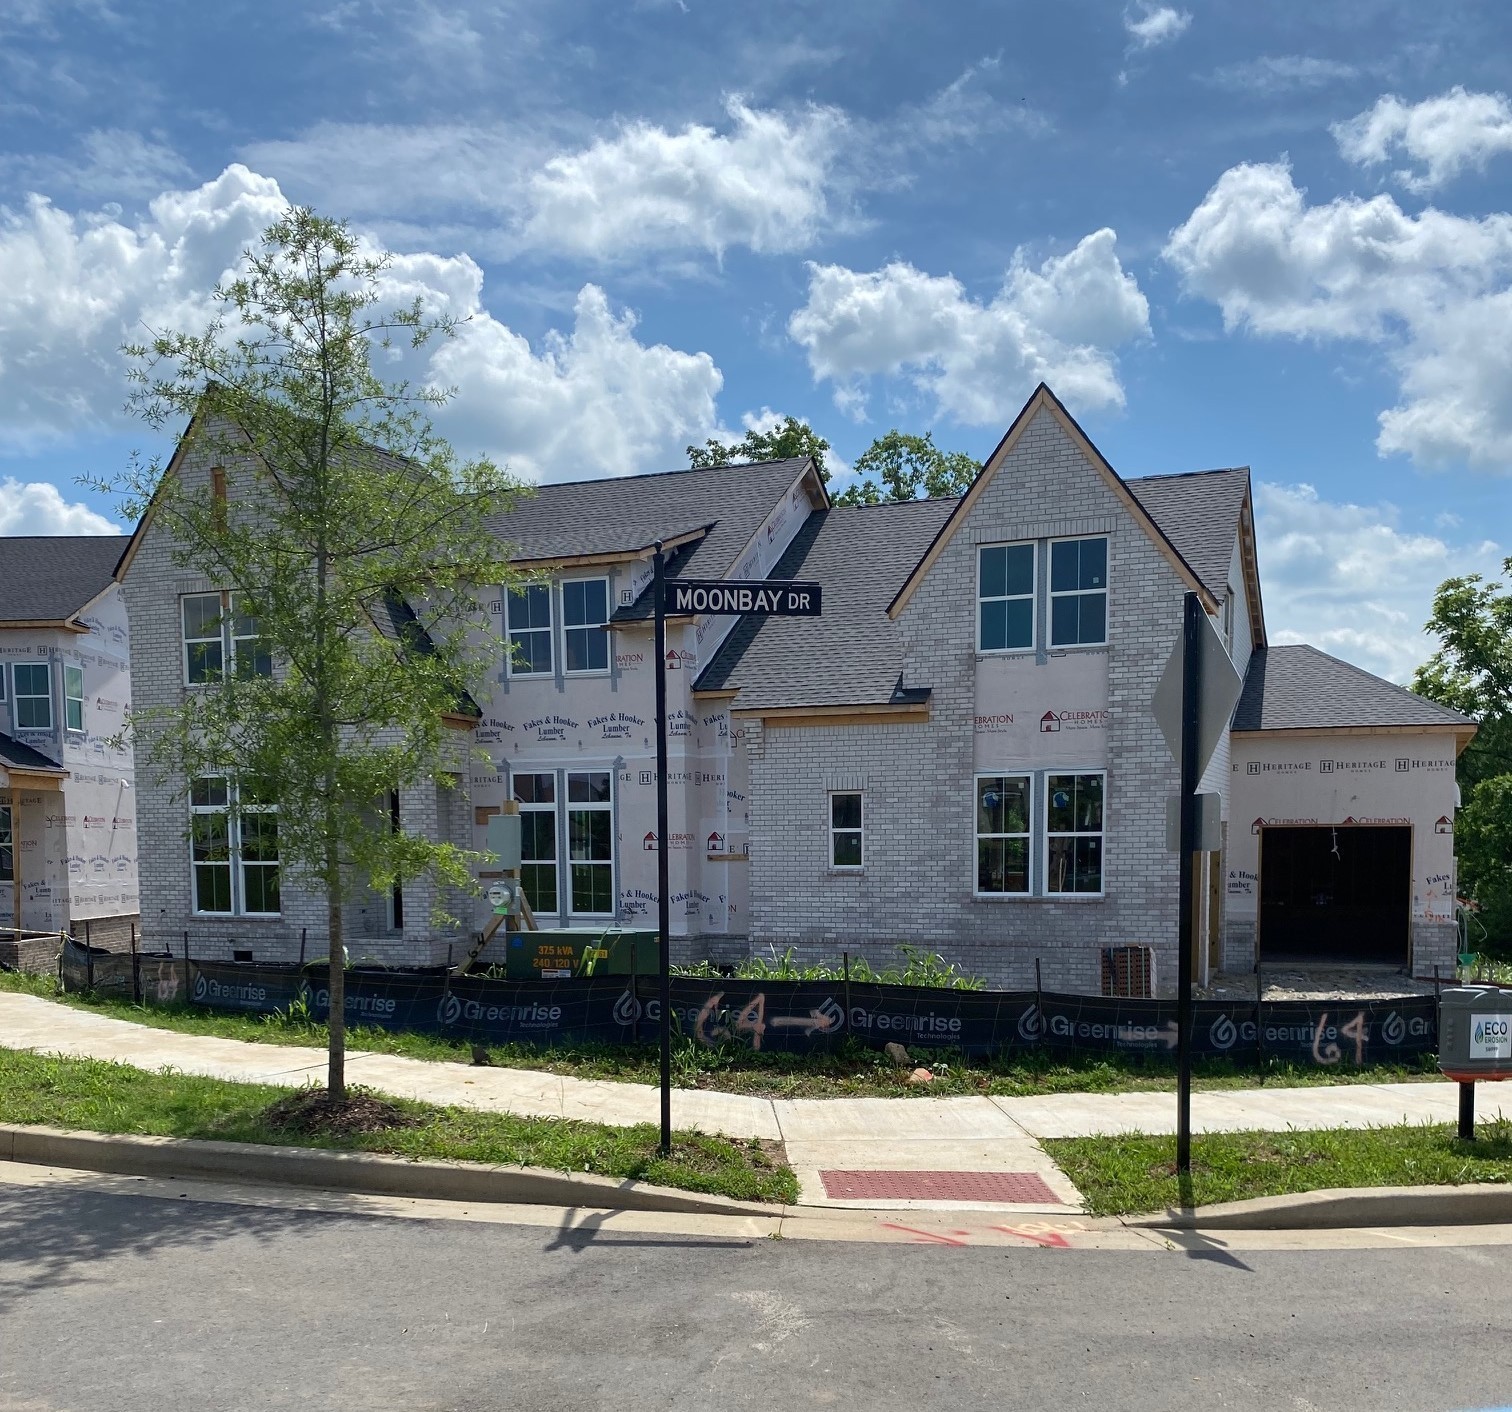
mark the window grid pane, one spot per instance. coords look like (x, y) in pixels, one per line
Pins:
(33, 703)
(585, 609)
(845, 830)
(1074, 833)
(1079, 592)
(204, 649)
(251, 656)
(1005, 592)
(1002, 829)
(590, 841)
(73, 698)
(536, 793)
(529, 629)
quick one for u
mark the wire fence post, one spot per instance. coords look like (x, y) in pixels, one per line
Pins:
(88, 958)
(186, 968)
(845, 961)
(302, 932)
(1039, 1005)
(136, 970)
(1259, 1021)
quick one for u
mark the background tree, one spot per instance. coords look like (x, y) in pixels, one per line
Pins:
(1472, 672)
(356, 568)
(792, 438)
(897, 466)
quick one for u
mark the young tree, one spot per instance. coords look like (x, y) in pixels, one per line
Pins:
(354, 540)
(1472, 672)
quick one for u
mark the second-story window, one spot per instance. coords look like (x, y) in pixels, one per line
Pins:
(528, 630)
(1079, 592)
(222, 628)
(585, 610)
(73, 697)
(1005, 595)
(33, 703)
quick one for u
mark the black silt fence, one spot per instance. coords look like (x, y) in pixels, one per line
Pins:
(796, 1017)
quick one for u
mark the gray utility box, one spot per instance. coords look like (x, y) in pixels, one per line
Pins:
(1475, 1033)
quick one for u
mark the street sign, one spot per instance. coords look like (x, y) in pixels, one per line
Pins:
(776, 598)
(1218, 693)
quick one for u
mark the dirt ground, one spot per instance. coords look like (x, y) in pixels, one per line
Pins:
(1316, 983)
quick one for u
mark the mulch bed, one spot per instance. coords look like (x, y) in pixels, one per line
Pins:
(308, 1110)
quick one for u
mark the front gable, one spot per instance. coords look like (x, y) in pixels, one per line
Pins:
(1051, 473)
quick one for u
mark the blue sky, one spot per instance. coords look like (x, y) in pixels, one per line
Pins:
(1274, 235)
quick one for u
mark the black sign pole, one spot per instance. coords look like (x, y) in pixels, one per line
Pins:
(1191, 696)
(663, 890)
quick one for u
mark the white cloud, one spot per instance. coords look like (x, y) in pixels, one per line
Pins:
(110, 163)
(35, 507)
(1155, 25)
(764, 184)
(1445, 135)
(976, 360)
(1349, 580)
(590, 400)
(1431, 290)
(1281, 73)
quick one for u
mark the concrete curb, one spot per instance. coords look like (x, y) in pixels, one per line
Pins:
(366, 1172)
(1483, 1204)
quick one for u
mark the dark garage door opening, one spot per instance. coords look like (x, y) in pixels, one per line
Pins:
(1336, 895)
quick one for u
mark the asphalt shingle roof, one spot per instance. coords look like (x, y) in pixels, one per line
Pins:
(45, 578)
(15, 756)
(1298, 687)
(853, 654)
(625, 513)
(1199, 513)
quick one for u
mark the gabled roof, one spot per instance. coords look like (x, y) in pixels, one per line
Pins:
(16, 756)
(720, 507)
(1300, 688)
(1042, 399)
(853, 654)
(1199, 512)
(49, 578)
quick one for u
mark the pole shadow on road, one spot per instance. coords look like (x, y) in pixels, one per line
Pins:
(590, 1232)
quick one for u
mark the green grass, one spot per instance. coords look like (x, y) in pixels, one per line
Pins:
(852, 1071)
(1120, 1175)
(105, 1097)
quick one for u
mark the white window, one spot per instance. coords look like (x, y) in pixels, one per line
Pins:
(536, 793)
(1079, 592)
(33, 705)
(233, 849)
(7, 846)
(1003, 816)
(590, 841)
(528, 630)
(845, 829)
(73, 697)
(204, 648)
(1074, 833)
(1005, 597)
(585, 639)
(222, 628)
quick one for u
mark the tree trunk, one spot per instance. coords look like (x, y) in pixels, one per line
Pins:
(336, 1016)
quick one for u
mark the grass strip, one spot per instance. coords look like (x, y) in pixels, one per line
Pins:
(851, 1071)
(98, 1096)
(1134, 1174)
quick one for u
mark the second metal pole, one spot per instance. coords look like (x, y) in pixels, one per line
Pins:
(1191, 688)
(663, 898)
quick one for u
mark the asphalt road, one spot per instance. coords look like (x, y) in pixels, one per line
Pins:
(126, 1302)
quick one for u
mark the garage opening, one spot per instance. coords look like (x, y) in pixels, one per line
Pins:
(1336, 894)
